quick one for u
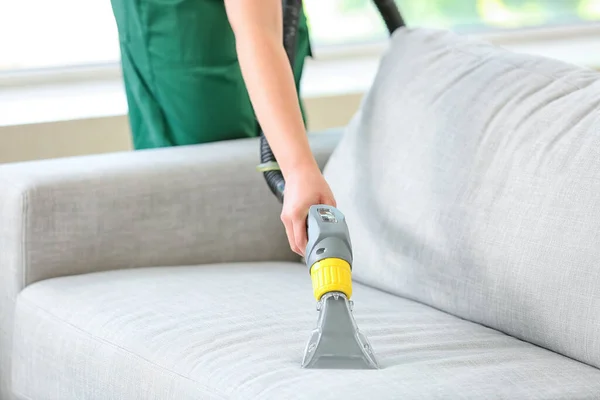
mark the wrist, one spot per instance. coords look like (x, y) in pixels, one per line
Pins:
(297, 158)
(300, 168)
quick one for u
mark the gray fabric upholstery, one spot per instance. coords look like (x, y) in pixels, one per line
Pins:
(471, 182)
(187, 205)
(12, 209)
(238, 332)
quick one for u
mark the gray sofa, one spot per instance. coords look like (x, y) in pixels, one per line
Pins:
(470, 180)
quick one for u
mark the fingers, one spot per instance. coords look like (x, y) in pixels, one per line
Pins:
(300, 234)
(295, 228)
(289, 231)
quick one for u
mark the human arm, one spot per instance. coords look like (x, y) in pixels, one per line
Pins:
(258, 29)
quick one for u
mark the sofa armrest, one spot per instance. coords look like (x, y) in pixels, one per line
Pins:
(175, 206)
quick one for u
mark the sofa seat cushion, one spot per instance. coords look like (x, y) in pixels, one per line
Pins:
(237, 331)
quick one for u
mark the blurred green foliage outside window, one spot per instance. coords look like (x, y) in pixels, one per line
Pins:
(68, 33)
(352, 21)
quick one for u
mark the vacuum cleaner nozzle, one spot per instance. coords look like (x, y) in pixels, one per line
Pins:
(336, 343)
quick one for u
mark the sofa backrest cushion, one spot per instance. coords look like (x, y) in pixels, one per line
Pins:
(470, 179)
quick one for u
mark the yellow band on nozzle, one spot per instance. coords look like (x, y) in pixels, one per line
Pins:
(331, 275)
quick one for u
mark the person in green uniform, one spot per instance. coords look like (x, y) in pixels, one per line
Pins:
(200, 71)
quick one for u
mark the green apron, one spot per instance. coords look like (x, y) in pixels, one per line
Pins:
(182, 78)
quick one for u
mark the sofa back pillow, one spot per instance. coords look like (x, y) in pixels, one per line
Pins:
(470, 179)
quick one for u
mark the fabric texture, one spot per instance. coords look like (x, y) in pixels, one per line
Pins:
(173, 206)
(238, 332)
(12, 221)
(181, 72)
(470, 179)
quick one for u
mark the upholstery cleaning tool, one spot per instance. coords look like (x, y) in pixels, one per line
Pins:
(336, 342)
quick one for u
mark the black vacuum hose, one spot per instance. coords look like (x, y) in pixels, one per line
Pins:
(390, 14)
(291, 16)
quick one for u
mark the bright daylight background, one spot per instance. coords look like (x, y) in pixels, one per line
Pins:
(38, 34)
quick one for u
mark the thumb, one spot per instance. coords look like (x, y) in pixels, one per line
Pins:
(329, 200)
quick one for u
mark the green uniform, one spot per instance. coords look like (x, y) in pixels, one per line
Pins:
(182, 77)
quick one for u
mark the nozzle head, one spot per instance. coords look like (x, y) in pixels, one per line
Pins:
(337, 343)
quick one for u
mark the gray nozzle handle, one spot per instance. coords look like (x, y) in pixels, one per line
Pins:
(328, 235)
